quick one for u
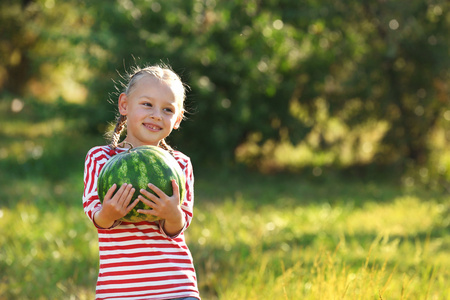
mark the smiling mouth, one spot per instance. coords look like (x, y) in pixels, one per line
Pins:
(152, 127)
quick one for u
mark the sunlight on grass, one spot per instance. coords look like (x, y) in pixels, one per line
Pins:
(404, 216)
(49, 252)
(390, 250)
(255, 241)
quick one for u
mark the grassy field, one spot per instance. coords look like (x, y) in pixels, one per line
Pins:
(252, 237)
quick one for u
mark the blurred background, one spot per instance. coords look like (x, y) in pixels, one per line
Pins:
(279, 85)
(314, 92)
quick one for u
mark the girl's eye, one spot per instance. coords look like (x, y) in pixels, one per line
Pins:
(147, 104)
(169, 110)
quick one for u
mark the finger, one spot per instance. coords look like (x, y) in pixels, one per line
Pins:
(132, 205)
(126, 195)
(150, 204)
(149, 195)
(119, 193)
(176, 188)
(157, 191)
(147, 202)
(110, 192)
(147, 212)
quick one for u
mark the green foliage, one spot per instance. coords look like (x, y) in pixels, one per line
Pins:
(300, 73)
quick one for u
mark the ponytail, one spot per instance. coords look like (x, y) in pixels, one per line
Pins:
(163, 144)
(120, 125)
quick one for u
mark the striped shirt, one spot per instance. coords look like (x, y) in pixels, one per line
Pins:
(139, 260)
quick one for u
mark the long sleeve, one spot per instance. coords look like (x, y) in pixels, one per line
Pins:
(96, 158)
(187, 205)
(91, 202)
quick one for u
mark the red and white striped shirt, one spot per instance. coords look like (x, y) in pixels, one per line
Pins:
(139, 260)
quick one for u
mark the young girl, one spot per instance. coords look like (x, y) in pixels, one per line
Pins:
(144, 260)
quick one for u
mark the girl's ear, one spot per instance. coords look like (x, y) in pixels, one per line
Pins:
(123, 104)
(178, 121)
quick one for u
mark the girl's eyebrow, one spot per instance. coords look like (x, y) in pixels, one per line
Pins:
(146, 97)
(165, 102)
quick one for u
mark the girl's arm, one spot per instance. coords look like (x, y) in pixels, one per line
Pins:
(165, 207)
(114, 207)
(187, 206)
(175, 217)
(95, 159)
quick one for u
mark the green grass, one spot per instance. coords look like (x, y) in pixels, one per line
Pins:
(253, 237)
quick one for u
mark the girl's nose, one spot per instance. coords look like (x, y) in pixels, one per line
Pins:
(155, 114)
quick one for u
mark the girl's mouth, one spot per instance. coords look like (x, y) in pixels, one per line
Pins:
(152, 127)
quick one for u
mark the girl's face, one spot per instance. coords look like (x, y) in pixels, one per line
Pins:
(152, 111)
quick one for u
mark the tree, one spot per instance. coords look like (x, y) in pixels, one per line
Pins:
(336, 77)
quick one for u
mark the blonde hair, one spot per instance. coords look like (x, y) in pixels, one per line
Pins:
(162, 72)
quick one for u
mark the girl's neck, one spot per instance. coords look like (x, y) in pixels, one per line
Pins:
(125, 144)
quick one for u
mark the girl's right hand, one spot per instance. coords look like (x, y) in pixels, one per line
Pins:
(115, 207)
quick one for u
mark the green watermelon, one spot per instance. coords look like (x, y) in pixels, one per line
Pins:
(140, 166)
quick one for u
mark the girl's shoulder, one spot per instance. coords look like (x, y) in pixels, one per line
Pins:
(183, 160)
(102, 152)
(180, 156)
(95, 149)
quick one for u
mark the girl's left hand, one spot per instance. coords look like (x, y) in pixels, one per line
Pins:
(163, 206)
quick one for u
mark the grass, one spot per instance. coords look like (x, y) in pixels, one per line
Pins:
(253, 237)
(291, 239)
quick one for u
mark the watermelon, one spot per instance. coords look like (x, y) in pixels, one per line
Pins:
(140, 166)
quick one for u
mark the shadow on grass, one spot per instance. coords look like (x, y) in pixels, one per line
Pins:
(293, 189)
